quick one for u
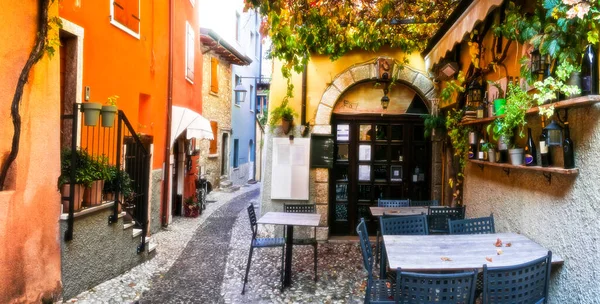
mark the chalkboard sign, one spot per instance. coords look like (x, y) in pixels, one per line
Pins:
(321, 151)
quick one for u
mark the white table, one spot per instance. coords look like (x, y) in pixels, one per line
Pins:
(290, 220)
(465, 252)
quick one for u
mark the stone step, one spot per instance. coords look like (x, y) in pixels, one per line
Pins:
(225, 184)
(128, 225)
(137, 232)
(152, 247)
(231, 189)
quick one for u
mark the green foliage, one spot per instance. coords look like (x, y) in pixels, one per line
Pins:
(497, 86)
(283, 111)
(459, 137)
(111, 184)
(190, 202)
(112, 100)
(517, 104)
(547, 90)
(433, 122)
(452, 87)
(53, 39)
(488, 146)
(87, 168)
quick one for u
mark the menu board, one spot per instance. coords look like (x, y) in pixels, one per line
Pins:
(290, 172)
(321, 151)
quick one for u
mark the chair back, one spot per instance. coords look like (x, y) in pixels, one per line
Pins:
(480, 225)
(393, 202)
(300, 208)
(404, 225)
(365, 246)
(438, 217)
(253, 223)
(527, 282)
(424, 203)
(436, 288)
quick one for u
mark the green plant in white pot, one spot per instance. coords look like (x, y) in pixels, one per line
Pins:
(109, 111)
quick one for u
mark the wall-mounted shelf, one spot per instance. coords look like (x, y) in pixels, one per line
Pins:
(546, 171)
(568, 103)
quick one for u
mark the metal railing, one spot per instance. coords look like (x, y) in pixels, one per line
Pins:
(121, 156)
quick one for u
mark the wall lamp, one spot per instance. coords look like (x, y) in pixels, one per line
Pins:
(385, 100)
(240, 91)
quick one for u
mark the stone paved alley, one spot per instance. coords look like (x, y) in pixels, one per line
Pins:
(203, 260)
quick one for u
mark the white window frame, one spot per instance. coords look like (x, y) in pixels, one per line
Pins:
(188, 44)
(121, 26)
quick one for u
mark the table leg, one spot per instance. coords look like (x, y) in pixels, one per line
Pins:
(287, 274)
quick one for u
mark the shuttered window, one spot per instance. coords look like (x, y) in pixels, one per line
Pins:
(213, 143)
(125, 14)
(189, 52)
(214, 79)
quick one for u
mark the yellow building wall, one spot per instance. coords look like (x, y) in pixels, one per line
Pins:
(29, 209)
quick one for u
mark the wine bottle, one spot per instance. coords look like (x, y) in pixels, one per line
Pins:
(543, 140)
(589, 72)
(471, 152)
(530, 153)
(480, 154)
(568, 153)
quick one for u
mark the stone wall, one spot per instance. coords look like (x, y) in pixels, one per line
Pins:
(561, 215)
(155, 199)
(98, 252)
(216, 107)
(240, 175)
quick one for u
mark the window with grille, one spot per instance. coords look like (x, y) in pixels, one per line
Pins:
(214, 78)
(125, 14)
(189, 52)
(235, 152)
(213, 143)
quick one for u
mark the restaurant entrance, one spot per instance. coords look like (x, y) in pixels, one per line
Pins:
(375, 157)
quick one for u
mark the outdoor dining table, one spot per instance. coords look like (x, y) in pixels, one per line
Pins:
(290, 220)
(425, 253)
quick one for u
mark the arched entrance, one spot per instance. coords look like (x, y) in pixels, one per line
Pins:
(378, 153)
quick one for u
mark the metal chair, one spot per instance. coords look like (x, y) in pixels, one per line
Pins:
(400, 225)
(438, 217)
(480, 225)
(378, 291)
(261, 243)
(393, 202)
(436, 288)
(525, 283)
(424, 203)
(305, 208)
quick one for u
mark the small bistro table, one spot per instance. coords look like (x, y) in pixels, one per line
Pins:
(290, 220)
(426, 253)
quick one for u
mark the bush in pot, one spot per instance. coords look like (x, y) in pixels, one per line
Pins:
(112, 184)
(97, 171)
(191, 208)
(83, 178)
(283, 113)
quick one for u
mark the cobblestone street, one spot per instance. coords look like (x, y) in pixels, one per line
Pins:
(203, 260)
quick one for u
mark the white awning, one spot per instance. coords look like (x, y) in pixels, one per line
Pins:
(183, 119)
(475, 13)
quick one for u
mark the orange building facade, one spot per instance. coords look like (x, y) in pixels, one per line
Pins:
(29, 245)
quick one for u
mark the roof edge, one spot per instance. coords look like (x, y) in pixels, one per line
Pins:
(458, 11)
(206, 32)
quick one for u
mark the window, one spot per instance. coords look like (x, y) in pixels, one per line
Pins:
(252, 98)
(214, 80)
(237, 27)
(235, 152)
(258, 105)
(213, 143)
(125, 14)
(189, 52)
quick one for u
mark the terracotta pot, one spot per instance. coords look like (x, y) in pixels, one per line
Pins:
(92, 196)
(65, 191)
(286, 125)
(191, 211)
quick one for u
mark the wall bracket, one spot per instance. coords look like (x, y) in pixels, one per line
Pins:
(507, 171)
(548, 177)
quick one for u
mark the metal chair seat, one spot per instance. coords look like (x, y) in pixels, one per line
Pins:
(432, 288)
(268, 242)
(382, 291)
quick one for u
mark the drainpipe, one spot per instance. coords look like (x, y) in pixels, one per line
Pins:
(303, 112)
(167, 173)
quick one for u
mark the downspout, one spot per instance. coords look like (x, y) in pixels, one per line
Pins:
(303, 112)
(167, 173)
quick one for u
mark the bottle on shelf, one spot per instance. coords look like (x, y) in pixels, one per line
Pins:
(480, 154)
(471, 154)
(589, 72)
(530, 153)
(503, 149)
(480, 110)
(568, 153)
(543, 140)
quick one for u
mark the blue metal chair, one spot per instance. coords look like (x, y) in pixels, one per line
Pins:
(378, 291)
(424, 203)
(261, 243)
(436, 288)
(400, 225)
(305, 208)
(438, 217)
(480, 225)
(393, 202)
(519, 284)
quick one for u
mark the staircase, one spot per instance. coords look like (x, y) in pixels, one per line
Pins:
(226, 185)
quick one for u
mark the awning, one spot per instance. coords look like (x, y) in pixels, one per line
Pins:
(183, 119)
(475, 13)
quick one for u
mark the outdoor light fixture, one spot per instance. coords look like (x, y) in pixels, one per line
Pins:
(385, 100)
(447, 71)
(539, 63)
(475, 91)
(240, 92)
(554, 131)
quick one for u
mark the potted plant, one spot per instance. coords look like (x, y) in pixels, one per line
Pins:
(285, 114)
(500, 100)
(97, 171)
(517, 104)
(109, 111)
(191, 208)
(64, 184)
(490, 148)
(432, 123)
(112, 184)
(91, 113)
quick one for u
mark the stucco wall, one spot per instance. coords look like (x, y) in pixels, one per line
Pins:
(98, 252)
(561, 216)
(29, 246)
